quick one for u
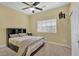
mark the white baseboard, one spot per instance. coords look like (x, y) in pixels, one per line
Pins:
(64, 45)
(2, 45)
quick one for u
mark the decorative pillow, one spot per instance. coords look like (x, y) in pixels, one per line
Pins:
(14, 35)
(22, 34)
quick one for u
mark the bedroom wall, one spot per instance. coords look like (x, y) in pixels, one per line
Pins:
(10, 18)
(62, 36)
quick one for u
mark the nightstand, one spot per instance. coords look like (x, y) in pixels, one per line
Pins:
(29, 34)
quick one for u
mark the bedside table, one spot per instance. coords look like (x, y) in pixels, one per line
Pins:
(29, 34)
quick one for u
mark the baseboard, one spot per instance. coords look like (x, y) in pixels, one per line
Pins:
(64, 45)
(2, 45)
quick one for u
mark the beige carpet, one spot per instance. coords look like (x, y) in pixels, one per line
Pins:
(5, 51)
(53, 50)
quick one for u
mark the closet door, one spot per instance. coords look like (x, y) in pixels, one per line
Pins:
(75, 29)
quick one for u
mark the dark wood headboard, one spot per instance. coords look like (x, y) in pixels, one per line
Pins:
(13, 31)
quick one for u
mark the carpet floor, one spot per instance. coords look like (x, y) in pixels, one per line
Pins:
(53, 50)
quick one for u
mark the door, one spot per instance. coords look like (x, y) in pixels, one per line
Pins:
(75, 29)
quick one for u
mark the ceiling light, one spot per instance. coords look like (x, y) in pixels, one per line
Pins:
(32, 9)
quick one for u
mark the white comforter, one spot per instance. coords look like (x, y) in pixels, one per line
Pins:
(34, 42)
(31, 39)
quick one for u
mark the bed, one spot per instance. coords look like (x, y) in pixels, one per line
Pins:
(36, 42)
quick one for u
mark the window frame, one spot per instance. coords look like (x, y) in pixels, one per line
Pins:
(43, 22)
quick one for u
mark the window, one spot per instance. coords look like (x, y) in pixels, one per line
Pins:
(48, 26)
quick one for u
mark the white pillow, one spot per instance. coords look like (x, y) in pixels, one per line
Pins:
(22, 34)
(14, 35)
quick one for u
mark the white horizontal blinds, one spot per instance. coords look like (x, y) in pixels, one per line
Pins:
(46, 26)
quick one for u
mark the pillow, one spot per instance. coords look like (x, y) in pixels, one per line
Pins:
(22, 34)
(14, 35)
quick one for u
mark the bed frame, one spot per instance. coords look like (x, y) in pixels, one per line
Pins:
(13, 31)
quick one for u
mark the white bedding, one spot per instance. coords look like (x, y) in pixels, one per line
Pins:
(34, 47)
(32, 39)
(35, 42)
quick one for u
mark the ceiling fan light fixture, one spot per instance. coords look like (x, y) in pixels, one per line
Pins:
(31, 9)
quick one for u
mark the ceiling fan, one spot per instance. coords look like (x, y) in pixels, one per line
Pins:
(32, 6)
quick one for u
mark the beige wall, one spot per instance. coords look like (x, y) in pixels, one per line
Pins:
(63, 35)
(10, 18)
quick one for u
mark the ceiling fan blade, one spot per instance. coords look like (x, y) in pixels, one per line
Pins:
(36, 3)
(39, 8)
(26, 3)
(25, 8)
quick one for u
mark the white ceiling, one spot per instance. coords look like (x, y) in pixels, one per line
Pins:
(45, 5)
